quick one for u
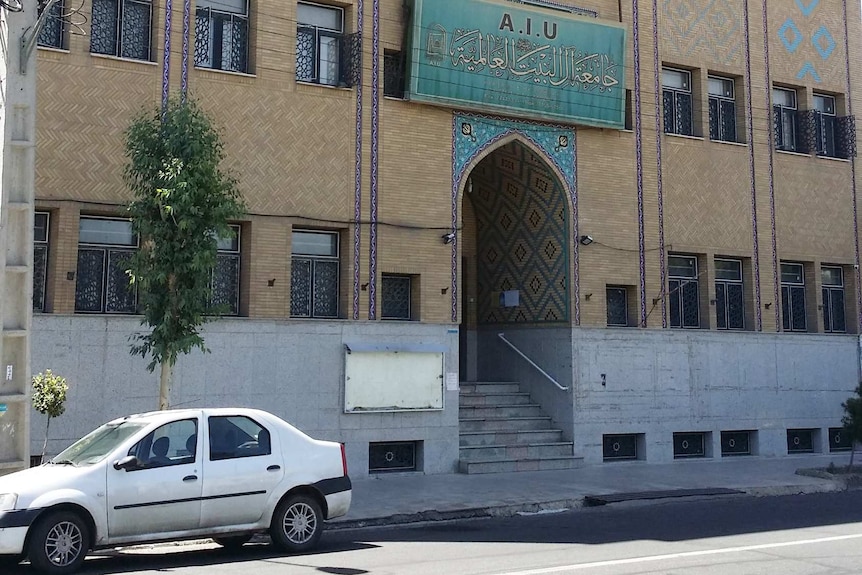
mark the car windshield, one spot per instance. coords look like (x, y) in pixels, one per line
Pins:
(96, 445)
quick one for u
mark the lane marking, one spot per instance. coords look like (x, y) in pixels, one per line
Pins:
(578, 566)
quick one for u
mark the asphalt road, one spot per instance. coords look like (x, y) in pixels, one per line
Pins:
(791, 535)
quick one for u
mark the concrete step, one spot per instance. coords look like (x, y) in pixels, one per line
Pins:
(511, 465)
(522, 437)
(486, 387)
(499, 411)
(504, 424)
(473, 399)
(531, 451)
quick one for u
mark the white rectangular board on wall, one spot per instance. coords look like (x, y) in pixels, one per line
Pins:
(379, 377)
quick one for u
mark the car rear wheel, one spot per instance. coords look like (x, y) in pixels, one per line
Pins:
(297, 523)
(233, 541)
(59, 543)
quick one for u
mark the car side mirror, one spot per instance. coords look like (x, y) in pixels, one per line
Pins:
(126, 463)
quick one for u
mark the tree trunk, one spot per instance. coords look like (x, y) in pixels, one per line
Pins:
(45, 445)
(165, 385)
(852, 453)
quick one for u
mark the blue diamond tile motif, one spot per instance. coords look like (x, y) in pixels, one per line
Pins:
(808, 68)
(807, 10)
(820, 37)
(790, 43)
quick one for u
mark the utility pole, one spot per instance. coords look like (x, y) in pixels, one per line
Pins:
(18, 31)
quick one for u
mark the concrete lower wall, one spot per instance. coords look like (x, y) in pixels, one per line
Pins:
(655, 383)
(294, 369)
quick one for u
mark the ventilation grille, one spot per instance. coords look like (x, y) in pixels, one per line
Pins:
(400, 456)
(689, 445)
(800, 441)
(736, 443)
(839, 439)
(619, 447)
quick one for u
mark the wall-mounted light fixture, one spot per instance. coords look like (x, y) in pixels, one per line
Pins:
(271, 282)
(448, 238)
(586, 240)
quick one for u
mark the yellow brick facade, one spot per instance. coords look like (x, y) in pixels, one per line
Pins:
(292, 146)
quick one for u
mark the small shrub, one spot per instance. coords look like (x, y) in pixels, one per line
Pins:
(49, 398)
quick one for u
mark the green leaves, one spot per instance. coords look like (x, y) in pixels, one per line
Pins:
(182, 203)
(49, 394)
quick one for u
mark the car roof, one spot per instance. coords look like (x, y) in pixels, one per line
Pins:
(171, 414)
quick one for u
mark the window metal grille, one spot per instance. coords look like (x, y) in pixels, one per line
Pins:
(617, 302)
(800, 441)
(689, 445)
(793, 297)
(324, 53)
(226, 275)
(683, 294)
(846, 137)
(102, 284)
(729, 301)
(40, 259)
(314, 275)
(839, 439)
(834, 319)
(393, 75)
(619, 447)
(825, 126)
(785, 119)
(122, 28)
(396, 456)
(395, 301)
(735, 443)
(221, 38)
(53, 32)
(722, 110)
(677, 102)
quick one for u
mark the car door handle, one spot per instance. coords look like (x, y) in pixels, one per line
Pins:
(188, 478)
(273, 468)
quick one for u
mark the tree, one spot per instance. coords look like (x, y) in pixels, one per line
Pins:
(49, 398)
(182, 204)
(852, 420)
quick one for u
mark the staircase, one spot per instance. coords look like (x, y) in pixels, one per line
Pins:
(502, 430)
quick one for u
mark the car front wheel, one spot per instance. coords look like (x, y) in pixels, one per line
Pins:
(297, 523)
(59, 543)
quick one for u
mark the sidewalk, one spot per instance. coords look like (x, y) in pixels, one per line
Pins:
(403, 498)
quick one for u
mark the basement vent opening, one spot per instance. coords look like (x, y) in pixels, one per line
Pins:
(392, 456)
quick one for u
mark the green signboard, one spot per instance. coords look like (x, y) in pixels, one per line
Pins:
(518, 59)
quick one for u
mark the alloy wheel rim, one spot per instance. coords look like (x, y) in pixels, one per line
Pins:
(64, 543)
(300, 523)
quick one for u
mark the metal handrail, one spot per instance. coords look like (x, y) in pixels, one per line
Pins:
(531, 362)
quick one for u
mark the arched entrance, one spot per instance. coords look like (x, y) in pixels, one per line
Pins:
(518, 218)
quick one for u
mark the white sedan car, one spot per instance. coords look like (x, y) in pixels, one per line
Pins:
(169, 475)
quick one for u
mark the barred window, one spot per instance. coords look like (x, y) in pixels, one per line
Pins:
(105, 246)
(40, 259)
(825, 122)
(729, 300)
(396, 301)
(676, 101)
(53, 32)
(394, 79)
(785, 119)
(834, 320)
(683, 291)
(122, 28)
(722, 109)
(617, 302)
(793, 297)
(314, 274)
(319, 40)
(221, 35)
(226, 274)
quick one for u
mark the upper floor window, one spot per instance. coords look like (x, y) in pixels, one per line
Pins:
(53, 32)
(314, 274)
(722, 109)
(793, 297)
(683, 291)
(833, 299)
(225, 275)
(105, 246)
(221, 35)
(319, 38)
(729, 307)
(784, 119)
(393, 74)
(122, 28)
(617, 304)
(40, 259)
(676, 101)
(825, 122)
